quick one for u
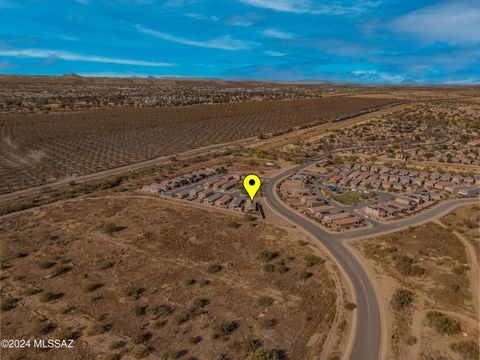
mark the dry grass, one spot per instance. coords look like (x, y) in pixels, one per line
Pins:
(466, 221)
(145, 297)
(421, 269)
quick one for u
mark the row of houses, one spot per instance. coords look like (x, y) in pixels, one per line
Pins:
(211, 186)
(162, 187)
(297, 194)
(376, 177)
(393, 208)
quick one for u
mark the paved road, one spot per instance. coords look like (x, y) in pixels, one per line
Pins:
(434, 212)
(367, 342)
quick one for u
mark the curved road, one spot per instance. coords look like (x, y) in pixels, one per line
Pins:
(368, 342)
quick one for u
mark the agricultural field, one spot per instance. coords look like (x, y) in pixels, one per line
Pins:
(36, 149)
(428, 282)
(134, 276)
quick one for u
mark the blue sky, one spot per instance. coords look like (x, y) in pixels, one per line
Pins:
(368, 41)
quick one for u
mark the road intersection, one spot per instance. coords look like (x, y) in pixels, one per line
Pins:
(368, 337)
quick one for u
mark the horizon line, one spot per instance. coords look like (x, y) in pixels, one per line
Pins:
(187, 77)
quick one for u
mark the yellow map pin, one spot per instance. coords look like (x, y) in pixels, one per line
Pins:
(251, 183)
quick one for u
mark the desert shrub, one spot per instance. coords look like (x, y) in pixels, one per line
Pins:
(189, 282)
(7, 303)
(334, 357)
(267, 255)
(140, 337)
(162, 310)
(263, 354)
(134, 292)
(139, 310)
(101, 317)
(204, 282)
(470, 223)
(117, 345)
(468, 349)
(265, 301)
(159, 324)
(43, 328)
(106, 265)
(302, 242)
(140, 352)
(65, 334)
(194, 339)
(268, 322)
(32, 291)
(350, 306)
(402, 299)
(249, 345)
(312, 260)
(455, 287)
(60, 269)
(442, 323)
(177, 354)
(112, 357)
(65, 310)
(304, 275)
(234, 224)
(96, 329)
(46, 264)
(269, 268)
(47, 297)
(412, 340)
(458, 269)
(109, 228)
(222, 330)
(21, 254)
(200, 303)
(406, 266)
(182, 317)
(281, 267)
(214, 268)
(92, 287)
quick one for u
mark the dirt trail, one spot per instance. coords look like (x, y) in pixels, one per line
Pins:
(473, 271)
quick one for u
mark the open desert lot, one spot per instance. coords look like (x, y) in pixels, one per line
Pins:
(37, 148)
(131, 275)
(429, 283)
(465, 221)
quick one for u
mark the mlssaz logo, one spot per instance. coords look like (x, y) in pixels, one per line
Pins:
(53, 343)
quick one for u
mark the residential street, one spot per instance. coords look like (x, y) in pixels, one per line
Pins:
(368, 334)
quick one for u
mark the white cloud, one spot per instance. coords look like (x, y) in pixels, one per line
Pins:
(202, 17)
(466, 81)
(379, 76)
(275, 53)
(247, 19)
(299, 6)
(69, 56)
(277, 34)
(224, 42)
(455, 23)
